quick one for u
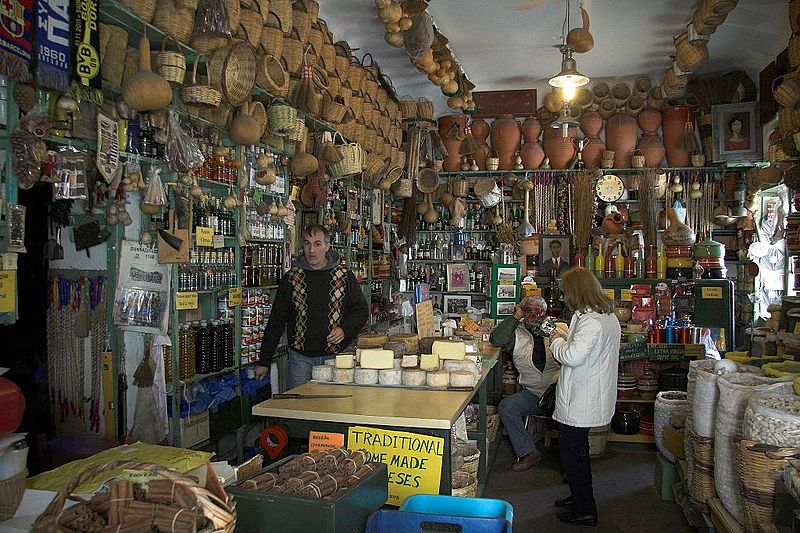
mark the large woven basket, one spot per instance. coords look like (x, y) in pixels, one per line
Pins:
(282, 119)
(271, 76)
(408, 107)
(283, 10)
(352, 159)
(272, 35)
(251, 24)
(145, 9)
(170, 65)
(701, 470)
(293, 53)
(356, 74)
(465, 484)
(333, 110)
(11, 492)
(112, 55)
(233, 69)
(342, 60)
(175, 21)
(689, 54)
(425, 108)
(300, 21)
(197, 94)
(471, 456)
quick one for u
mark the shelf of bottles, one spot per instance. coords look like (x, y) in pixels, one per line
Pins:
(262, 265)
(256, 308)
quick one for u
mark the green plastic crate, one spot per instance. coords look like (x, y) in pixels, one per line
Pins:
(284, 513)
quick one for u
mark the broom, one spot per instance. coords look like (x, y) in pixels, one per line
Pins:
(305, 97)
(686, 140)
(470, 144)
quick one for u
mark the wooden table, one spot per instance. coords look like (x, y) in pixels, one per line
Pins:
(426, 412)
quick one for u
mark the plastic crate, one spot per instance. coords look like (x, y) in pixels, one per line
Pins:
(385, 521)
(457, 506)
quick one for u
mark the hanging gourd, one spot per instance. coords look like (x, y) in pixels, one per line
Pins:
(146, 90)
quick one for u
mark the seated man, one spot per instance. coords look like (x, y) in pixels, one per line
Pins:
(521, 337)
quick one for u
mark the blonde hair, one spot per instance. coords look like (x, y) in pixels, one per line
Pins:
(582, 292)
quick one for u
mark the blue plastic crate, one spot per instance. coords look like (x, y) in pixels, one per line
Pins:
(385, 521)
(457, 506)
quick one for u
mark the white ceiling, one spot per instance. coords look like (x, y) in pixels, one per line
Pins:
(501, 47)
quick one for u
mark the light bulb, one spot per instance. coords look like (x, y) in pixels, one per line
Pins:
(568, 91)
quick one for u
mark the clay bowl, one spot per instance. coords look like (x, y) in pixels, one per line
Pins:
(623, 314)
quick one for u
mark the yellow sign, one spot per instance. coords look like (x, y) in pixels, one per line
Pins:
(797, 327)
(8, 291)
(711, 293)
(625, 295)
(609, 293)
(425, 319)
(204, 236)
(323, 440)
(185, 300)
(234, 296)
(414, 461)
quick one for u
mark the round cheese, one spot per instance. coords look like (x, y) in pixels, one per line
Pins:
(429, 361)
(438, 378)
(366, 376)
(411, 340)
(447, 349)
(344, 361)
(409, 361)
(371, 340)
(451, 365)
(469, 366)
(413, 377)
(397, 348)
(322, 373)
(462, 378)
(344, 375)
(390, 377)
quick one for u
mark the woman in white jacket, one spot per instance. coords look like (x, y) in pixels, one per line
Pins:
(586, 392)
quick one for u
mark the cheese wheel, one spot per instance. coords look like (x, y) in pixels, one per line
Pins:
(451, 365)
(377, 359)
(411, 340)
(371, 340)
(397, 363)
(413, 377)
(469, 366)
(429, 361)
(462, 378)
(366, 376)
(330, 362)
(344, 375)
(410, 361)
(437, 378)
(391, 376)
(397, 348)
(425, 344)
(322, 373)
(344, 361)
(447, 349)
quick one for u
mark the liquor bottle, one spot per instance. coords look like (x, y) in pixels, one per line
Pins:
(639, 267)
(619, 262)
(589, 259)
(579, 164)
(610, 267)
(599, 262)
(661, 263)
(630, 265)
(650, 263)
(552, 302)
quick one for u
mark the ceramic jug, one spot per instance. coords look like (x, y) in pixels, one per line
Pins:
(560, 150)
(531, 129)
(652, 149)
(649, 119)
(506, 137)
(480, 130)
(591, 123)
(621, 130)
(674, 125)
(452, 163)
(532, 155)
(593, 152)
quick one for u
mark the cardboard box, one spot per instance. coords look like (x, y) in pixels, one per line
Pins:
(195, 429)
(673, 441)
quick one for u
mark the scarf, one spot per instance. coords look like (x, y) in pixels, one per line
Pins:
(16, 38)
(52, 42)
(85, 68)
(297, 279)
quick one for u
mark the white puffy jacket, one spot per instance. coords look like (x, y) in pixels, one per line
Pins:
(587, 387)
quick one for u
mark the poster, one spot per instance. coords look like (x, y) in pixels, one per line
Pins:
(414, 461)
(142, 298)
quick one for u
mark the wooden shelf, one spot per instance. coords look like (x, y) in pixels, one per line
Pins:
(637, 438)
(488, 173)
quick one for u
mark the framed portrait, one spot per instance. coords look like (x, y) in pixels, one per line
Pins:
(457, 304)
(554, 254)
(504, 308)
(506, 274)
(736, 132)
(507, 291)
(457, 277)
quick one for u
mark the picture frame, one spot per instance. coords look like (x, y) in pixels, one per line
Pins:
(503, 309)
(562, 245)
(506, 291)
(732, 142)
(456, 304)
(506, 274)
(457, 277)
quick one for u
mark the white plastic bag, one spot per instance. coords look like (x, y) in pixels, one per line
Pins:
(668, 403)
(704, 403)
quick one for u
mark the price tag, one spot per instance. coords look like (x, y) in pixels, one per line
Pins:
(185, 300)
(218, 241)
(8, 291)
(711, 293)
(609, 293)
(234, 296)
(797, 327)
(625, 295)
(204, 236)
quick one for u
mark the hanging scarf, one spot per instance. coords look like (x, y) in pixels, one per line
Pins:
(85, 68)
(16, 38)
(52, 43)
(297, 279)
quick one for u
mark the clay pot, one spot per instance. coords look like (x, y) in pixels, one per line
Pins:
(621, 130)
(591, 123)
(558, 149)
(480, 129)
(614, 223)
(593, 152)
(531, 129)
(452, 162)
(649, 119)
(677, 233)
(506, 137)
(652, 149)
(532, 155)
(674, 124)
(480, 155)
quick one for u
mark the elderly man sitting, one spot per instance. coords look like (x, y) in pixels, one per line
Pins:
(521, 336)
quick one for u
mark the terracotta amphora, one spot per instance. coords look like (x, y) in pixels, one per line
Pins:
(506, 137)
(560, 150)
(621, 131)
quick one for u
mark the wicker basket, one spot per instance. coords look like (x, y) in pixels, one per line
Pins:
(259, 114)
(272, 35)
(471, 456)
(170, 65)
(299, 133)
(271, 76)
(251, 24)
(342, 60)
(356, 74)
(174, 21)
(163, 512)
(293, 53)
(492, 426)
(465, 484)
(425, 108)
(283, 10)
(701, 470)
(233, 69)
(300, 21)
(312, 7)
(333, 110)
(208, 43)
(145, 9)
(112, 57)
(408, 107)
(352, 159)
(689, 54)
(760, 466)
(200, 95)
(282, 119)
(316, 34)
(11, 492)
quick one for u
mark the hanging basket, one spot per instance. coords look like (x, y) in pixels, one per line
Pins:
(272, 35)
(251, 24)
(233, 68)
(689, 54)
(300, 21)
(283, 10)
(293, 53)
(200, 95)
(333, 110)
(170, 65)
(352, 158)
(425, 108)
(174, 21)
(282, 119)
(271, 76)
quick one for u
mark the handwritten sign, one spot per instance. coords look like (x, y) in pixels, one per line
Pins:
(204, 236)
(218, 241)
(609, 293)
(667, 352)
(711, 293)
(234, 296)
(625, 295)
(8, 291)
(185, 300)
(414, 461)
(630, 351)
(323, 440)
(425, 319)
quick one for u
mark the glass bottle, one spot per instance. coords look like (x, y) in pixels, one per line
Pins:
(610, 266)
(619, 262)
(599, 262)
(650, 263)
(661, 263)
(639, 268)
(589, 259)
(630, 265)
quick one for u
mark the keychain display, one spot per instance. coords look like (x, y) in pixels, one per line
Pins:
(16, 228)
(28, 148)
(107, 146)
(141, 301)
(71, 175)
(181, 152)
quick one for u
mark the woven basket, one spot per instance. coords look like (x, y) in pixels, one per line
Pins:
(233, 70)
(471, 456)
(300, 21)
(333, 110)
(185, 490)
(208, 43)
(282, 119)
(352, 159)
(760, 467)
(112, 59)
(356, 74)
(721, 7)
(259, 114)
(408, 107)
(467, 482)
(272, 35)
(271, 76)
(600, 92)
(342, 61)
(621, 92)
(425, 108)
(283, 10)
(312, 7)
(701, 469)
(492, 426)
(174, 21)
(293, 53)
(251, 24)
(200, 95)
(328, 53)
(299, 134)
(316, 34)
(689, 54)
(144, 9)
(170, 65)
(11, 492)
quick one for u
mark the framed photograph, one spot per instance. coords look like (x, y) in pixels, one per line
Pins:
(507, 291)
(457, 304)
(736, 132)
(506, 274)
(457, 277)
(554, 254)
(505, 308)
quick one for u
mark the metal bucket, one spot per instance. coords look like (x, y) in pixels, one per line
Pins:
(488, 193)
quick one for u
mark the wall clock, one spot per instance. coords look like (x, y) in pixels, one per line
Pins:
(609, 188)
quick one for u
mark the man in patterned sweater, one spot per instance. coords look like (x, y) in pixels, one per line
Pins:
(320, 304)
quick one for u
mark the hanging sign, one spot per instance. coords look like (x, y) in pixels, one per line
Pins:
(185, 300)
(8, 291)
(234, 296)
(625, 295)
(609, 293)
(218, 241)
(711, 293)
(204, 236)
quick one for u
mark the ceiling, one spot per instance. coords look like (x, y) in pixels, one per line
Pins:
(502, 47)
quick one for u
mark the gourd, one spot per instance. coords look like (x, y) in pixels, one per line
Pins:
(244, 129)
(146, 90)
